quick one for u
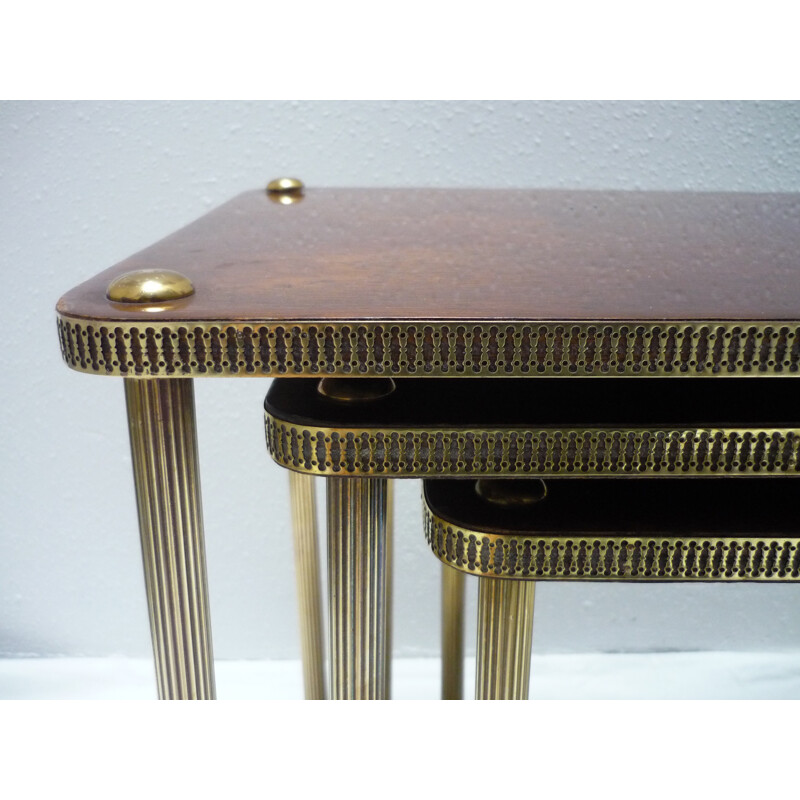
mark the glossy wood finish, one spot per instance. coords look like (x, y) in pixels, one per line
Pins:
(484, 255)
(433, 403)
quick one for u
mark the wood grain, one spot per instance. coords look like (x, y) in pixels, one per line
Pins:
(485, 255)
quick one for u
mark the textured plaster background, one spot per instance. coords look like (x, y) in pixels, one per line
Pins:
(83, 185)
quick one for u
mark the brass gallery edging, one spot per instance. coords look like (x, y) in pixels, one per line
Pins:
(419, 349)
(580, 453)
(628, 557)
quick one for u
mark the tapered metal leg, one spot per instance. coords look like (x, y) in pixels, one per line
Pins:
(309, 595)
(505, 630)
(389, 583)
(357, 587)
(165, 468)
(452, 633)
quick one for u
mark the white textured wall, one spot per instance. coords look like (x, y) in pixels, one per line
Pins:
(83, 185)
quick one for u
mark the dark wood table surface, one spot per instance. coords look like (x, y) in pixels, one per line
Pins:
(461, 282)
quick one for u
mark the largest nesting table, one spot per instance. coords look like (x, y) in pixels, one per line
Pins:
(374, 290)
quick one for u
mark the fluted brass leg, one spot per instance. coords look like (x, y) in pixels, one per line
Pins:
(357, 587)
(389, 583)
(306, 566)
(452, 633)
(505, 629)
(166, 474)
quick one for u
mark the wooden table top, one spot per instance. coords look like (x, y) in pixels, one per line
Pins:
(468, 282)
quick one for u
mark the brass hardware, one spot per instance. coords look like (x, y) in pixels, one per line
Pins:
(285, 191)
(167, 479)
(406, 452)
(505, 632)
(307, 574)
(182, 348)
(359, 390)
(285, 186)
(510, 492)
(147, 286)
(357, 588)
(452, 634)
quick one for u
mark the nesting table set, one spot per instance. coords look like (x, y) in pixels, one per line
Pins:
(517, 350)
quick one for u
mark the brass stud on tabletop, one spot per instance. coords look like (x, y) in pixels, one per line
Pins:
(285, 190)
(149, 286)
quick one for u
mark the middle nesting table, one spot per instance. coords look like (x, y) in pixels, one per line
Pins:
(360, 432)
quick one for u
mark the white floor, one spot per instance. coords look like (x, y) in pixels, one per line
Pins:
(728, 676)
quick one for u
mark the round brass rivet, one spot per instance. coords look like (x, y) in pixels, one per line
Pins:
(511, 491)
(149, 286)
(284, 185)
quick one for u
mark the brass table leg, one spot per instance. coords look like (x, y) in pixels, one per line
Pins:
(505, 629)
(165, 468)
(309, 596)
(357, 587)
(452, 634)
(389, 582)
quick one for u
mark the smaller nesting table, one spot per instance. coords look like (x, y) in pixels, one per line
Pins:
(513, 533)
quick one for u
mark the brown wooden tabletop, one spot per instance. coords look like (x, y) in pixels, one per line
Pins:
(460, 282)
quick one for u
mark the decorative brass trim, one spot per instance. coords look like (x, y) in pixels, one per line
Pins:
(617, 557)
(551, 452)
(141, 349)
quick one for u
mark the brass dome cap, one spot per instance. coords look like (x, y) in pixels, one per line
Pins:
(280, 185)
